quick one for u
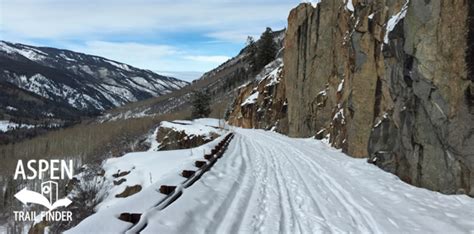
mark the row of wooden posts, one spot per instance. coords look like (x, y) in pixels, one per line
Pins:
(173, 192)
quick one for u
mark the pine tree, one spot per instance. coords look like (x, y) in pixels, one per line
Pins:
(252, 52)
(267, 49)
(201, 105)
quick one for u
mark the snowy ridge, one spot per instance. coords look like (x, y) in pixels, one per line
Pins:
(126, 115)
(44, 87)
(82, 81)
(29, 53)
(6, 126)
(167, 106)
(119, 65)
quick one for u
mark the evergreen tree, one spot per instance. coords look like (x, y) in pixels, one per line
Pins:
(252, 51)
(201, 105)
(267, 49)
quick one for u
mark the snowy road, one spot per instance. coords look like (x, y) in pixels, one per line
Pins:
(269, 183)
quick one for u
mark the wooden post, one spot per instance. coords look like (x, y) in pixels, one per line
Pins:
(188, 173)
(167, 190)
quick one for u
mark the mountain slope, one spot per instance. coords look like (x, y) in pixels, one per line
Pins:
(269, 183)
(83, 82)
(221, 83)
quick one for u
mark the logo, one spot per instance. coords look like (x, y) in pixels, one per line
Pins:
(26, 196)
(48, 196)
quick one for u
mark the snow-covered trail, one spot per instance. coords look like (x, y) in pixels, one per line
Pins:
(269, 183)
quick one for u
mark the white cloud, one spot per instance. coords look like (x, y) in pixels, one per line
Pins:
(150, 56)
(59, 19)
(210, 59)
(183, 75)
(234, 35)
(126, 49)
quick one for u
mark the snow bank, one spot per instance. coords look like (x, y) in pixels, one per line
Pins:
(150, 170)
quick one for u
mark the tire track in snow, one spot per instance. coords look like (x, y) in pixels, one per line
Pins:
(313, 209)
(283, 219)
(248, 196)
(238, 200)
(230, 167)
(262, 174)
(286, 203)
(346, 200)
(242, 180)
(262, 205)
(294, 223)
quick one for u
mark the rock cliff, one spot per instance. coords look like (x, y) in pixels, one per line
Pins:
(427, 135)
(390, 80)
(262, 103)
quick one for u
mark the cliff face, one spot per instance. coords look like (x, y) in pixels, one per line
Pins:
(385, 79)
(333, 63)
(427, 136)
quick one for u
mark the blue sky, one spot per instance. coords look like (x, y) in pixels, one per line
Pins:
(158, 35)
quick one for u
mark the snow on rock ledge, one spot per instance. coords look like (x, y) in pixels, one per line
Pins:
(262, 102)
(184, 134)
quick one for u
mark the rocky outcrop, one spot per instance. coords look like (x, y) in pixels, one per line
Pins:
(262, 103)
(172, 137)
(391, 80)
(172, 140)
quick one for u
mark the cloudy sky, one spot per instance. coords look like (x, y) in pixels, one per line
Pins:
(160, 35)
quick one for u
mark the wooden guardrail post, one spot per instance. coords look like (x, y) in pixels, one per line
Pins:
(174, 192)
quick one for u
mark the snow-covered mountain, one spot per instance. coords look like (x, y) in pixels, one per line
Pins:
(83, 82)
